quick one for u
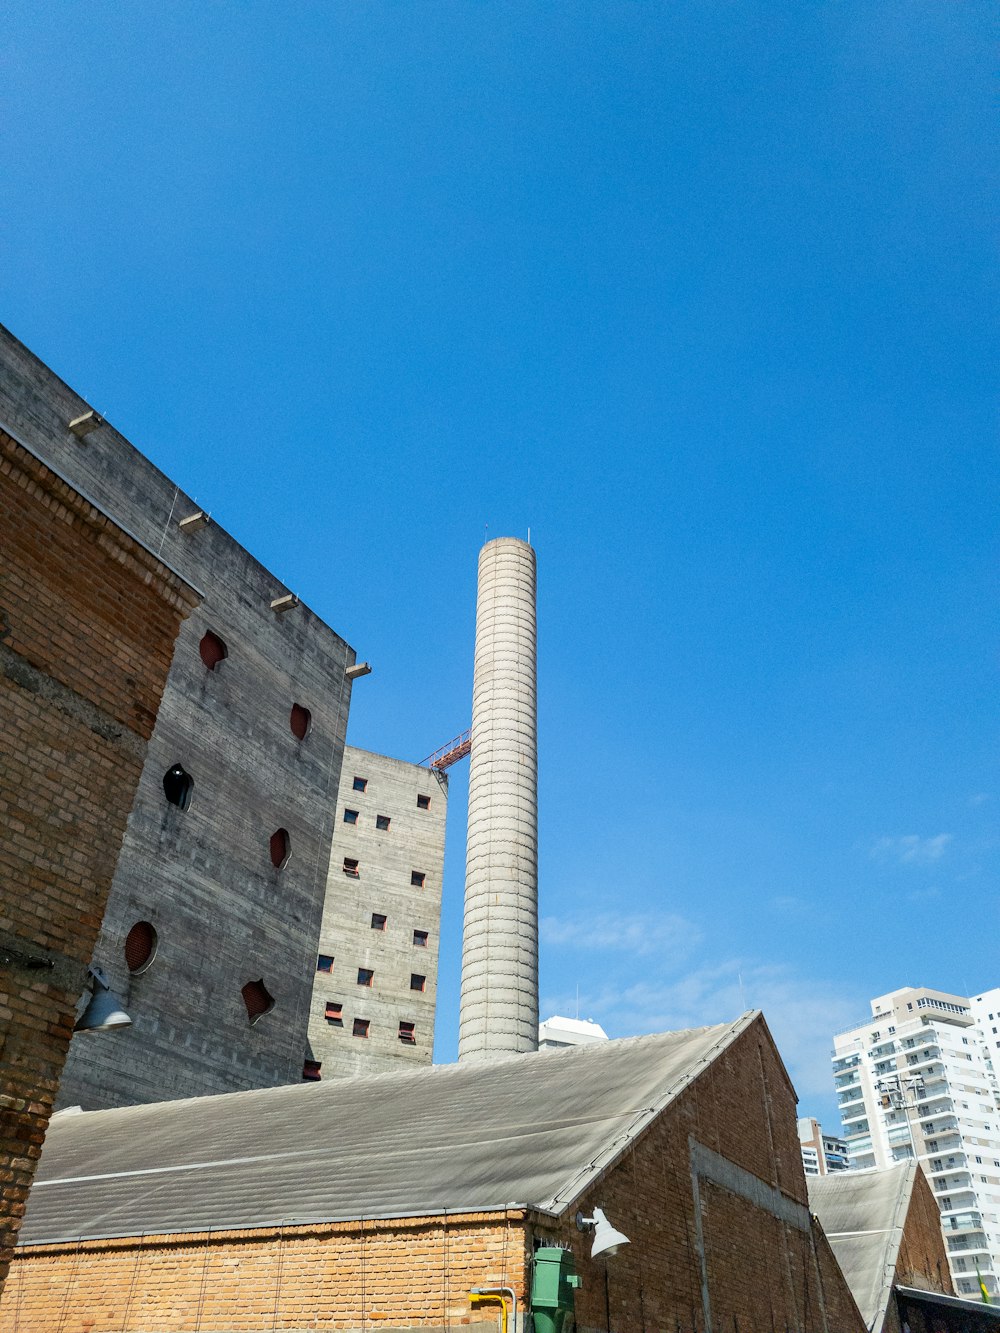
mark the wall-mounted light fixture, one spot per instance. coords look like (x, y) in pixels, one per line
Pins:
(83, 425)
(606, 1239)
(104, 1011)
(194, 521)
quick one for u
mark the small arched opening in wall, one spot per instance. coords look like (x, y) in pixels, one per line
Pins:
(178, 786)
(258, 1000)
(300, 721)
(140, 947)
(213, 650)
(281, 848)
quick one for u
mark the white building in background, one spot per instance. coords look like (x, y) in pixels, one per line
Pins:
(917, 1080)
(986, 1012)
(556, 1032)
(821, 1153)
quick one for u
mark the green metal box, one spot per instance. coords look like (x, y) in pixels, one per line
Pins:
(552, 1289)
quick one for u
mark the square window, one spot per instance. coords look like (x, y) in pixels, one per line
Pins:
(350, 816)
(334, 1014)
(382, 822)
(407, 1033)
(311, 1070)
(361, 1026)
(420, 938)
(351, 866)
(417, 982)
(417, 878)
(324, 963)
(360, 784)
(365, 976)
(378, 921)
(423, 802)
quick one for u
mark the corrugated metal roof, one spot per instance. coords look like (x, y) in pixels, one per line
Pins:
(531, 1130)
(863, 1214)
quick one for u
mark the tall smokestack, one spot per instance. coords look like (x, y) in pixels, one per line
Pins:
(499, 1007)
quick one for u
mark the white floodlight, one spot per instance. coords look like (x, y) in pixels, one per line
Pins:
(606, 1239)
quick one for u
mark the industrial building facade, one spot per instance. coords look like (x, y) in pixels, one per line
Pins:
(211, 928)
(376, 966)
(88, 620)
(386, 1200)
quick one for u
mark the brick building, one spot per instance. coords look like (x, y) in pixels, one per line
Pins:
(88, 619)
(885, 1230)
(212, 921)
(383, 1200)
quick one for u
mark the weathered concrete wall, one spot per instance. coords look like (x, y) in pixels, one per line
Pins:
(388, 861)
(203, 877)
(499, 1005)
(88, 620)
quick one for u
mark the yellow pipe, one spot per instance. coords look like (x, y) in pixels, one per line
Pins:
(477, 1298)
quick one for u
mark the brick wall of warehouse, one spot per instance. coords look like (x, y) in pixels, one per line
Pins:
(737, 1251)
(404, 1273)
(88, 619)
(714, 1255)
(923, 1259)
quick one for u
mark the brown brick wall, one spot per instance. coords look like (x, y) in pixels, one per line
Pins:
(87, 623)
(923, 1259)
(764, 1275)
(405, 1273)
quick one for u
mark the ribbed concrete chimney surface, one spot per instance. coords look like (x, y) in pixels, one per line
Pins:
(499, 1006)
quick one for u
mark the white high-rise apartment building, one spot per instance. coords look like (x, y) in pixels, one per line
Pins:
(917, 1080)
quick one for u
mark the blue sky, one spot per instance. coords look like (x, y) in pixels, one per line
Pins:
(704, 294)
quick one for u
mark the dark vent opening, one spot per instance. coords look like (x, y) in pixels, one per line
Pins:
(178, 785)
(140, 946)
(281, 848)
(258, 1000)
(300, 720)
(213, 650)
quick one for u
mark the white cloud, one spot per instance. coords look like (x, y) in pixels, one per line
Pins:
(925, 895)
(664, 934)
(789, 904)
(910, 849)
(802, 1014)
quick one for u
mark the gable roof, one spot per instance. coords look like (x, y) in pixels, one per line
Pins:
(863, 1214)
(532, 1130)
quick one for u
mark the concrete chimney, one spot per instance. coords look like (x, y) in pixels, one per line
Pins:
(499, 1006)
